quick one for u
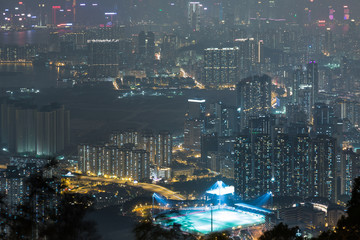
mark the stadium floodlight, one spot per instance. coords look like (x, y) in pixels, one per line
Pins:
(220, 189)
(197, 100)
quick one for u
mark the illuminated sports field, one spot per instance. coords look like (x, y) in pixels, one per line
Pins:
(199, 221)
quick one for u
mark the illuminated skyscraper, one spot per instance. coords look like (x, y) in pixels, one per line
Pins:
(124, 162)
(26, 129)
(298, 78)
(226, 120)
(253, 97)
(346, 13)
(250, 55)
(158, 146)
(146, 47)
(168, 49)
(324, 119)
(322, 167)
(313, 80)
(194, 124)
(253, 166)
(282, 166)
(301, 166)
(52, 130)
(163, 149)
(195, 12)
(104, 57)
(221, 66)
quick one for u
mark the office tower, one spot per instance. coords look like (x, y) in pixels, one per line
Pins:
(298, 78)
(195, 12)
(28, 130)
(104, 57)
(313, 80)
(328, 42)
(346, 13)
(196, 108)
(142, 43)
(271, 9)
(209, 143)
(146, 47)
(220, 66)
(253, 97)
(192, 134)
(194, 124)
(228, 11)
(242, 11)
(324, 119)
(226, 117)
(78, 39)
(323, 167)
(168, 49)
(163, 149)
(150, 46)
(305, 99)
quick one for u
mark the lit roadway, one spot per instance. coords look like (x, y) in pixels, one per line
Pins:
(185, 75)
(146, 186)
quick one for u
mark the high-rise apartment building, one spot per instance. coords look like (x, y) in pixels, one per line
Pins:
(250, 55)
(27, 129)
(221, 66)
(285, 165)
(323, 167)
(124, 162)
(253, 97)
(158, 146)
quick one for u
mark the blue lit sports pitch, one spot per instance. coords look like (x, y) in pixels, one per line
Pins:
(199, 221)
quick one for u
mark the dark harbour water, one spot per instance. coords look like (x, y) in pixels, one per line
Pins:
(21, 75)
(27, 76)
(22, 38)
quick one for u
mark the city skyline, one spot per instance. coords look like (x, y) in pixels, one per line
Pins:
(181, 118)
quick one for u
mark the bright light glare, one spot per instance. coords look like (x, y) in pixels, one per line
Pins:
(222, 191)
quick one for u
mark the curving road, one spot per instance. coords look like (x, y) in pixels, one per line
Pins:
(167, 193)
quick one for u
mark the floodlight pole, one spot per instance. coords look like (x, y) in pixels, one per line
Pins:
(219, 197)
(152, 208)
(211, 210)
